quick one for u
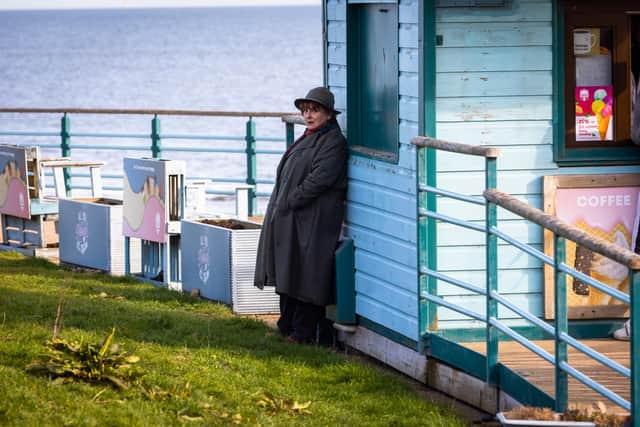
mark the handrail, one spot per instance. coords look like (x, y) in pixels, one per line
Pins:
(610, 250)
(249, 140)
(456, 147)
(147, 111)
(429, 296)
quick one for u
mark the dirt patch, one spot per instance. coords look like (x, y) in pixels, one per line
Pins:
(231, 224)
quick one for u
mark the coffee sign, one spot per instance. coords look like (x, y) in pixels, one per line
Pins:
(586, 41)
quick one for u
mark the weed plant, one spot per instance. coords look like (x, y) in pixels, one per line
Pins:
(203, 365)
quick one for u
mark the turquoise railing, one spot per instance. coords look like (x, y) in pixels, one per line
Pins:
(559, 331)
(238, 145)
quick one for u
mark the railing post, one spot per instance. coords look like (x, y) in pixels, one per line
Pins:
(250, 138)
(156, 143)
(561, 323)
(493, 341)
(635, 347)
(290, 135)
(65, 150)
(432, 240)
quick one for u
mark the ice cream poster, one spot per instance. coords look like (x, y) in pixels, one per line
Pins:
(611, 214)
(14, 193)
(143, 209)
(594, 113)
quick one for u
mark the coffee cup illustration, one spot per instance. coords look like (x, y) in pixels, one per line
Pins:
(585, 41)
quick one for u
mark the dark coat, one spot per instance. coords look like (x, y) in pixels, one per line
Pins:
(304, 218)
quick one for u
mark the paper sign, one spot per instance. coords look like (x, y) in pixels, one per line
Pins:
(594, 113)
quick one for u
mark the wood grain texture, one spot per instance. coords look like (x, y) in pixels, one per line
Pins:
(541, 373)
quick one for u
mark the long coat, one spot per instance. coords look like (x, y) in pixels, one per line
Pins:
(304, 217)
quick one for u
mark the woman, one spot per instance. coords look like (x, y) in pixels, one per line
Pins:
(304, 218)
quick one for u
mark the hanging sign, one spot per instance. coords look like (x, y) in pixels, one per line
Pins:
(594, 113)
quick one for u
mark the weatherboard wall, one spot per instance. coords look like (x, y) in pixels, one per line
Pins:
(381, 206)
(494, 86)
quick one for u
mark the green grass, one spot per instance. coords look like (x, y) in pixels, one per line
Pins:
(204, 365)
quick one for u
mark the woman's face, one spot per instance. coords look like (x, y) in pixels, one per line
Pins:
(315, 116)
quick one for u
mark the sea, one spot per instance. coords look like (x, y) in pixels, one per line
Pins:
(254, 59)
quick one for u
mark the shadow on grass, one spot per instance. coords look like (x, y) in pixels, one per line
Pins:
(139, 311)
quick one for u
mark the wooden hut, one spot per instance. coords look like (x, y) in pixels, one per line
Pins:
(499, 73)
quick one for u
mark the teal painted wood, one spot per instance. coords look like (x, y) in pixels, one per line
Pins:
(522, 230)
(408, 35)
(382, 175)
(520, 281)
(494, 83)
(475, 59)
(533, 303)
(337, 31)
(386, 270)
(428, 122)
(65, 149)
(156, 142)
(400, 299)
(472, 258)
(383, 222)
(495, 108)
(512, 133)
(409, 83)
(474, 212)
(635, 345)
(290, 134)
(394, 249)
(337, 54)
(387, 316)
(492, 275)
(336, 10)
(345, 312)
(561, 325)
(364, 193)
(483, 34)
(250, 139)
(519, 157)
(518, 12)
(408, 60)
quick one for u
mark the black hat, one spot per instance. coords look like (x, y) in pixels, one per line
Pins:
(319, 95)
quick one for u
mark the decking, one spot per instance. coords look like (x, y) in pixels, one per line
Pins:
(540, 373)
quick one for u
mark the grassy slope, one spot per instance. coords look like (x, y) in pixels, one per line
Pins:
(215, 364)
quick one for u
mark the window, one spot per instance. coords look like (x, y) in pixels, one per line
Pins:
(601, 55)
(372, 79)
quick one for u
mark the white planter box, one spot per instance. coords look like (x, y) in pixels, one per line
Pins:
(91, 235)
(220, 263)
(514, 422)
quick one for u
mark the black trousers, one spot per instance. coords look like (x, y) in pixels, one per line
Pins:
(301, 320)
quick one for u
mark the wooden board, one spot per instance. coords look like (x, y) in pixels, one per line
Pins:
(578, 308)
(541, 373)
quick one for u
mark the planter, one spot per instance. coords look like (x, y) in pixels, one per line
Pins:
(218, 261)
(502, 419)
(91, 234)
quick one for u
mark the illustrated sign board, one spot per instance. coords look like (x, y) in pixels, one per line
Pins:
(14, 191)
(594, 113)
(144, 192)
(604, 206)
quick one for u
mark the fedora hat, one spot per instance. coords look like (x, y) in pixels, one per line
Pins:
(319, 95)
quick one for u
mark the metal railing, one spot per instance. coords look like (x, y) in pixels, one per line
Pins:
(562, 232)
(238, 145)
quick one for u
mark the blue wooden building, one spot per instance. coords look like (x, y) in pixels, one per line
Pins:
(485, 73)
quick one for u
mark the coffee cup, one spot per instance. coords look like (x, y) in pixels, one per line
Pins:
(584, 41)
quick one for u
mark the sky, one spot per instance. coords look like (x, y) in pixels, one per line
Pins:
(91, 4)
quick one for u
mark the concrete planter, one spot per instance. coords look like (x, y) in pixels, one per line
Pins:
(91, 234)
(219, 262)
